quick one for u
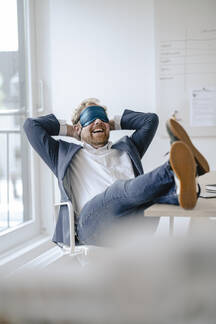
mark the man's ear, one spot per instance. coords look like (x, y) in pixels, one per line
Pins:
(78, 128)
(112, 125)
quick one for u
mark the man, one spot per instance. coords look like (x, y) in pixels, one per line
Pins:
(106, 181)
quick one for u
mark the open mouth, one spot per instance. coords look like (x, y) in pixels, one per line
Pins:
(97, 131)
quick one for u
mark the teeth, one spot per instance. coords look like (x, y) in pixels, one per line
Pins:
(97, 130)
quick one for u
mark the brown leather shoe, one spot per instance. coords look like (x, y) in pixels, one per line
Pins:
(184, 167)
(177, 132)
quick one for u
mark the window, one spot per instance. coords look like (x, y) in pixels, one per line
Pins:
(15, 180)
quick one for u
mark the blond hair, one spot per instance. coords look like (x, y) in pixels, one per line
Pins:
(84, 104)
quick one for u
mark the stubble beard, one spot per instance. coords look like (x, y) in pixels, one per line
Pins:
(99, 142)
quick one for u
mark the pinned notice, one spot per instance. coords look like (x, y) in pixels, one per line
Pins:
(203, 107)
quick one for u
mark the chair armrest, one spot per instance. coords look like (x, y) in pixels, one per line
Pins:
(71, 222)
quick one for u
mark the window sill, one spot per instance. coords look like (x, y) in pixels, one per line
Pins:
(24, 253)
(38, 254)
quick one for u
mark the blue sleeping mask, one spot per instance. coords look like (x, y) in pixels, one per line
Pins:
(92, 113)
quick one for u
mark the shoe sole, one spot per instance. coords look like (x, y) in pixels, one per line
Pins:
(179, 132)
(184, 166)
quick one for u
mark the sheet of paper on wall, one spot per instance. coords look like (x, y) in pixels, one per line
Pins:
(203, 107)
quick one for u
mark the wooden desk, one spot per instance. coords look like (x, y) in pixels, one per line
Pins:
(203, 208)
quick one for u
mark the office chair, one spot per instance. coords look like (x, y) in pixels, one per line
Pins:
(71, 222)
(73, 249)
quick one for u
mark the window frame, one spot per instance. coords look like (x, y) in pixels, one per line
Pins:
(33, 195)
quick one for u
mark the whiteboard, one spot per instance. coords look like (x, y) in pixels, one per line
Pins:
(185, 34)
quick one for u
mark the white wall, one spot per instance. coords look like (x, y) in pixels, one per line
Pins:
(103, 49)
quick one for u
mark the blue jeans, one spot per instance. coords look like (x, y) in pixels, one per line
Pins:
(125, 198)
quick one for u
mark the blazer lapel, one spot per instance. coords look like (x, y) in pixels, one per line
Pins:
(125, 144)
(66, 152)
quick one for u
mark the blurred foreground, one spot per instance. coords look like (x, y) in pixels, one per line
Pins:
(140, 279)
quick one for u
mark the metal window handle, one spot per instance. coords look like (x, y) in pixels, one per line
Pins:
(41, 96)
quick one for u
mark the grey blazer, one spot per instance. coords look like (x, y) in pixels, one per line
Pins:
(58, 154)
